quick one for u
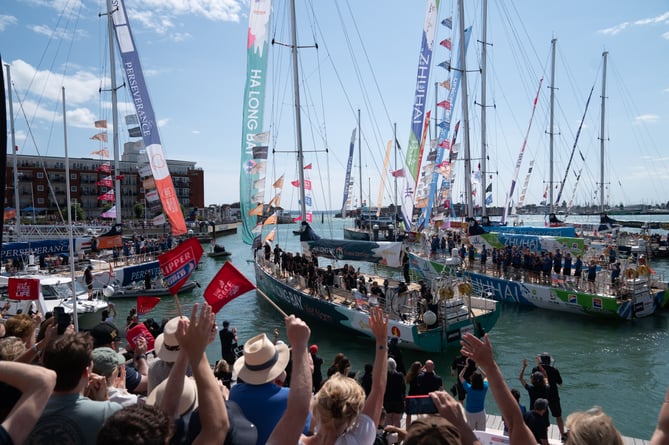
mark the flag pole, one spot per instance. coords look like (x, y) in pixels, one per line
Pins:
(176, 300)
(264, 295)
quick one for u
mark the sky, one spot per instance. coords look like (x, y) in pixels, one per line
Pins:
(194, 57)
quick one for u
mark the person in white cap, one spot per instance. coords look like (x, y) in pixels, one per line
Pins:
(166, 348)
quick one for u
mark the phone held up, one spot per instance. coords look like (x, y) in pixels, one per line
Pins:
(422, 404)
(63, 320)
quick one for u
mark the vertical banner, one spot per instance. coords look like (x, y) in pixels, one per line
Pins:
(147, 121)
(252, 120)
(418, 111)
(386, 161)
(445, 126)
(347, 181)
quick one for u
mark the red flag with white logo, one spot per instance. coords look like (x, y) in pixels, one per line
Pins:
(228, 284)
(145, 304)
(23, 288)
(179, 263)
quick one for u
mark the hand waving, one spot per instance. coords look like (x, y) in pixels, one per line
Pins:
(193, 335)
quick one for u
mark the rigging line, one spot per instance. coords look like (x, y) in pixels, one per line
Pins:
(41, 160)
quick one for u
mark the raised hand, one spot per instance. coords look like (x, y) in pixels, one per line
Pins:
(479, 350)
(378, 323)
(193, 335)
(298, 332)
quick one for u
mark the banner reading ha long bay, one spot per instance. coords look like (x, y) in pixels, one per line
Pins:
(252, 167)
(147, 121)
(418, 111)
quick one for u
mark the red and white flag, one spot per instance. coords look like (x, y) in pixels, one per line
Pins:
(228, 284)
(23, 288)
(145, 304)
(179, 263)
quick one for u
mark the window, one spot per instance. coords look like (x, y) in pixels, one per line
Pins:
(73, 176)
(40, 188)
(40, 175)
(73, 188)
(40, 201)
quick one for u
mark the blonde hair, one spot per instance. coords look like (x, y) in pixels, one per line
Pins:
(11, 347)
(338, 403)
(22, 326)
(592, 427)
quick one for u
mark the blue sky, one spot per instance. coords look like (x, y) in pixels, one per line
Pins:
(193, 54)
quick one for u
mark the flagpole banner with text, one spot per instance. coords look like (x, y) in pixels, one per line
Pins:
(147, 121)
(253, 159)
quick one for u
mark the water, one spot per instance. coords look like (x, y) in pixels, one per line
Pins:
(620, 366)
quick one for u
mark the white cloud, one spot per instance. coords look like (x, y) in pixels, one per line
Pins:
(665, 35)
(162, 122)
(647, 118)
(57, 34)
(80, 87)
(614, 29)
(215, 10)
(196, 132)
(68, 8)
(661, 19)
(6, 20)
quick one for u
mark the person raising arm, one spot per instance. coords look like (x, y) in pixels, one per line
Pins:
(481, 352)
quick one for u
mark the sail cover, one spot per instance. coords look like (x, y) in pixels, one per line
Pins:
(254, 158)
(147, 121)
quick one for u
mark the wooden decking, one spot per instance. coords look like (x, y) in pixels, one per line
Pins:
(494, 424)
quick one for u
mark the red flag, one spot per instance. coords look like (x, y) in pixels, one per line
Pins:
(145, 304)
(299, 218)
(105, 168)
(296, 183)
(446, 43)
(179, 263)
(444, 104)
(23, 288)
(101, 124)
(307, 167)
(140, 330)
(100, 137)
(398, 173)
(228, 284)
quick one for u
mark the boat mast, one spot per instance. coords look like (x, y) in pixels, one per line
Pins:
(551, 131)
(360, 158)
(601, 137)
(70, 236)
(484, 44)
(298, 120)
(465, 115)
(395, 169)
(17, 204)
(114, 100)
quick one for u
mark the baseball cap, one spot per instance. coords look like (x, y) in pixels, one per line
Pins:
(105, 360)
(104, 333)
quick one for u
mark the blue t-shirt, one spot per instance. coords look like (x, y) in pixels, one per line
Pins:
(475, 402)
(263, 405)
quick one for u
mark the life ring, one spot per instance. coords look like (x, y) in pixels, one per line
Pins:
(465, 288)
(446, 293)
(643, 270)
(631, 273)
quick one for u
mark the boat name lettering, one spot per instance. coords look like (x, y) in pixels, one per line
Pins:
(133, 84)
(314, 312)
(290, 298)
(253, 100)
(176, 263)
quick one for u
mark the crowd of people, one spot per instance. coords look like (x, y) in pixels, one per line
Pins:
(77, 388)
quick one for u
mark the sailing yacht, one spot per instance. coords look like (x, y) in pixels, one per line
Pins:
(427, 319)
(634, 293)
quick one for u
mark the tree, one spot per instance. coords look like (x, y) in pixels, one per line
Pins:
(78, 213)
(138, 210)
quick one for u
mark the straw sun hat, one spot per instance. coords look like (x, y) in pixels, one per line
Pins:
(262, 361)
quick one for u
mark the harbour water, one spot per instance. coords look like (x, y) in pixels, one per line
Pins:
(621, 366)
